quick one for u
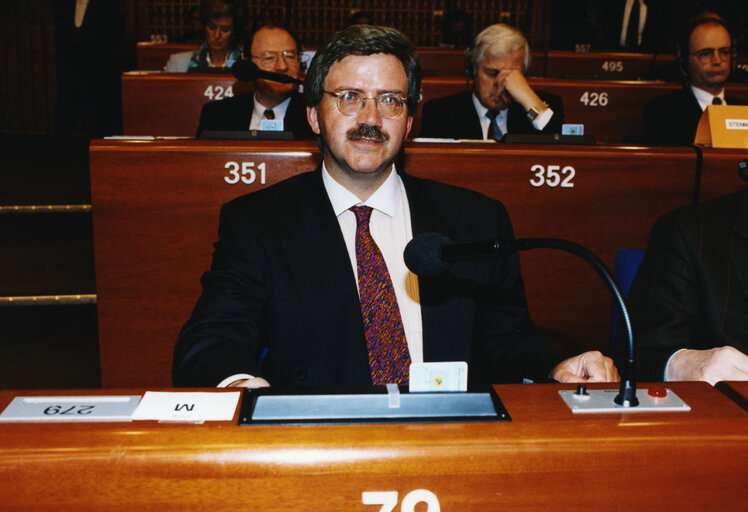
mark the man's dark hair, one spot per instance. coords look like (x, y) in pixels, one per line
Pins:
(363, 40)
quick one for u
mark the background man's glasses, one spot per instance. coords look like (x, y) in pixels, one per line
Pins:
(389, 104)
(705, 55)
(268, 59)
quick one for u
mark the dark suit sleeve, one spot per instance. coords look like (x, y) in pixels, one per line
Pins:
(509, 339)
(204, 120)
(557, 105)
(432, 122)
(224, 335)
(664, 298)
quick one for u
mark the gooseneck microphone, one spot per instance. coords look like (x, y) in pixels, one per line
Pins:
(433, 254)
(245, 70)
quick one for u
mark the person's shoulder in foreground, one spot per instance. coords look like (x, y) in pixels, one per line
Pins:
(689, 299)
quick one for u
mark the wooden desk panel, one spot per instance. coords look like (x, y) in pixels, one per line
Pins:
(617, 194)
(719, 172)
(169, 104)
(544, 459)
(155, 219)
(601, 65)
(154, 56)
(737, 391)
(156, 205)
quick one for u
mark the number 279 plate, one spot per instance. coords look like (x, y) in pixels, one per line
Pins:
(71, 408)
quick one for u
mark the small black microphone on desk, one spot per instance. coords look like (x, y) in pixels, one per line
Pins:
(433, 254)
(245, 70)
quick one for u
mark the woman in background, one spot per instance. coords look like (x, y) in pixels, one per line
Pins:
(224, 22)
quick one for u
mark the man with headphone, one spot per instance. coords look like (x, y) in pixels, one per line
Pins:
(705, 54)
(502, 101)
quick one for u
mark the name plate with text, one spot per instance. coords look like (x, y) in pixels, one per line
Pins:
(71, 408)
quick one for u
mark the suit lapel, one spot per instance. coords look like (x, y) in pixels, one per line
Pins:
(322, 279)
(471, 122)
(440, 341)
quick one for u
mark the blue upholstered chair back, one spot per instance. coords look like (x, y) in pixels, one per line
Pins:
(627, 263)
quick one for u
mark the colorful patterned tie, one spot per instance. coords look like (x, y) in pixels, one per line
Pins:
(389, 359)
(269, 114)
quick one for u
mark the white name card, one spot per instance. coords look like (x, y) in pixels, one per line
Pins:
(187, 406)
(71, 408)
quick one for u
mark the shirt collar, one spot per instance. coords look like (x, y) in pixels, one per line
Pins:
(385, 199)
(482, 110)
(705, 98)
(279, 110)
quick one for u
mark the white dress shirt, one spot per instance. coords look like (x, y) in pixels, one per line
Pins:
(258, 112)
(705, 98)
(501, 119)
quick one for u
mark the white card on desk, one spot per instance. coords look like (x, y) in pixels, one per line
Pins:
(187, 406)
(271, 125)
(440, 376)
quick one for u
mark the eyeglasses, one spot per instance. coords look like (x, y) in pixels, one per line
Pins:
(268, 59)
(705, 54)
(389, 104)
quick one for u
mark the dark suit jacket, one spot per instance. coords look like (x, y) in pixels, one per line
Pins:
(691, 290)
(455, 117)
(281, 277)
(673, 118)
(236, 114)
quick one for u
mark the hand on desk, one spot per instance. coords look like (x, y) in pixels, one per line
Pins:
(712, 366)
(590, 366)
(253, 383)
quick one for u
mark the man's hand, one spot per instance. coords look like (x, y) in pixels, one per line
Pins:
(517, 86)
(712, 366)
(586, 367)
(253, 383)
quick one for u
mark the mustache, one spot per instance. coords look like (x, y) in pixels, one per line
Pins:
(364, 131)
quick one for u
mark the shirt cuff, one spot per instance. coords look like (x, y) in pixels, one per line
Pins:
(542, 120)
(667, 365)
(233, 378)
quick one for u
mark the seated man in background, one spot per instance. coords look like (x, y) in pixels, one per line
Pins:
(501, 101)
(273, 49)
(689, 299)
(224, 22)
(312, 268)
(705, 56)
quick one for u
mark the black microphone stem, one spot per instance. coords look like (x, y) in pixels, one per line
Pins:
(627, 394)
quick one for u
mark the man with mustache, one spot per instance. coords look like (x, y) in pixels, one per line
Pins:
(501, 101)
(705, 57)
(312, 268)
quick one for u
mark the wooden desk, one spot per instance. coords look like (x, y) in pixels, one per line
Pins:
(737, 391)
(719, 172)
(169, 104)
(156, 205)
(544, 459)
(602, 65)
(154, 56)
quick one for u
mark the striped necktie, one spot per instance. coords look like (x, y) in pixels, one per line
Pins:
(389, 359)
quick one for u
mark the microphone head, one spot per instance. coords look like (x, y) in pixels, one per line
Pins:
(245, 70)
(423, 255)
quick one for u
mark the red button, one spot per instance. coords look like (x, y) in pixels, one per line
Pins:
(657, 392)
